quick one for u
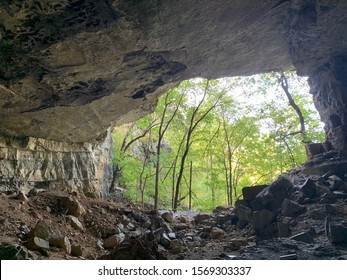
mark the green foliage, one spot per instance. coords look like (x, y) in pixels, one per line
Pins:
(249, 138)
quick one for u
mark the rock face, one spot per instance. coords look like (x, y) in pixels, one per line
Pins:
(29, 162)
(70, 69)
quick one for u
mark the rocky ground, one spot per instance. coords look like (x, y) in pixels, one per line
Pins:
(302, 215)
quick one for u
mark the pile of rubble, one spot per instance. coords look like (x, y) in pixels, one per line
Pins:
(302, 215)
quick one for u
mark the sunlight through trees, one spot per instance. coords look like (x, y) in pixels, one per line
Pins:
(207, 139)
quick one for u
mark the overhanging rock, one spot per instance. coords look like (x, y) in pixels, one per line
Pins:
(70, 69)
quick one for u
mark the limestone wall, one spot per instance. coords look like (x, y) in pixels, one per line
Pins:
(34, 162)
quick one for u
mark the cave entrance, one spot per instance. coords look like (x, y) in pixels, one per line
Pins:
(208, 139)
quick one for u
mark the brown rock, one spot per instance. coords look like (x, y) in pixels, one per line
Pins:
(61, 242)
(114, 240)
(217, 233)
(42, 230)
(73, 206)
(221, 208)
(36, 243)
(175, 247)
(237, 243)
(75, 222)
(76, 250)
(200, 218)
(168, 216)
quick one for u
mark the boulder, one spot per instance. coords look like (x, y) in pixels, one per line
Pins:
(265, 197)
(159, 231)
(61, 241)
(72, 206)
(291, 208)
(244, 213)
(336, 232)
(250, 193)
(308, 188)
(221, 219)
(256, 205)
(168, 216)
(118, 229)
(135, 233)
(165, 241)
(76, 250)
(130, 226)
(271, 197)
(222, 209)
(75, 222)
(279, 190)
(175, 246)
(202, 218)
(283, 229)
(42, 230)
(216, 233)
(337, 184)
(236, 243)
(114, 240)
(36, 243)
(262, 218)
(172, 235)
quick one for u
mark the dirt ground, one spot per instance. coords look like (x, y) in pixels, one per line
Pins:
(195, 238)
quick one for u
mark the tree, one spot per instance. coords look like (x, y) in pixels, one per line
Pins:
(196, 117)
(163, 126)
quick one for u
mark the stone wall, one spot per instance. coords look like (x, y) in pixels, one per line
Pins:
(29, 162)
(329, 87)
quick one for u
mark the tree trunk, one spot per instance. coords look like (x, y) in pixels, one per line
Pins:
(190, 184)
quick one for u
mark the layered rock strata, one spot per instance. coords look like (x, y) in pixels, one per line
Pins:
(27, 163)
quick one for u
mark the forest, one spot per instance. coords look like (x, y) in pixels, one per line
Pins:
(207, 139)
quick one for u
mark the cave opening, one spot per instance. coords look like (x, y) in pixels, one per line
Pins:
(248, 132)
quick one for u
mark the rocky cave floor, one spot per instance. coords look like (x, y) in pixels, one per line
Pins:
(296, 217)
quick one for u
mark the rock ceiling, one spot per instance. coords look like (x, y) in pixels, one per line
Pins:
(69, 69)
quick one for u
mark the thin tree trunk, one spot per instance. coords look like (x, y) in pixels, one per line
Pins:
(173, 184)
(190, 184)
(162, 130)
(285, 87)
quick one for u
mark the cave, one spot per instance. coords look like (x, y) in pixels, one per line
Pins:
(72, 69)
